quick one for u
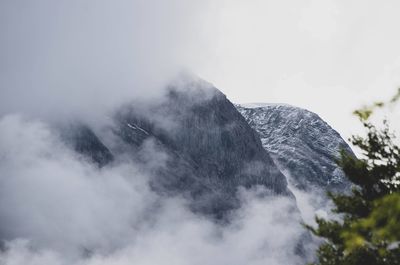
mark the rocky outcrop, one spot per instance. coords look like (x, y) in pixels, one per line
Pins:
(301, 143)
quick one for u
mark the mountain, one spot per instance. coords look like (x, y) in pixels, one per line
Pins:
(84, 141)
(193, 143)
(303, 145)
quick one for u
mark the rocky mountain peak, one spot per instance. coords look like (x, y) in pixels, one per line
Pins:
(300, 142)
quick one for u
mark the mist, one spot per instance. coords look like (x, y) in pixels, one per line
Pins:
(83, 58)
(58, 208)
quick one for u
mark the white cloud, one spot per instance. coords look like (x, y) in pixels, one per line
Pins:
(56, 208)
(320, 19)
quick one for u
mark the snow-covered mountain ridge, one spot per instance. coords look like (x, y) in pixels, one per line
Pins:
(300, 142)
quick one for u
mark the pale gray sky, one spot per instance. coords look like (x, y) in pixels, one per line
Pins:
(328, 56)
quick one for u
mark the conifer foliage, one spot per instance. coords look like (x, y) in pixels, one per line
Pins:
(368, 230)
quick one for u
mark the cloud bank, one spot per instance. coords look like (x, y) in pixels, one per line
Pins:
(57, 208)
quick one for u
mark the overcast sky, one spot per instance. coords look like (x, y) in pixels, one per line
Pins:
(324, 55)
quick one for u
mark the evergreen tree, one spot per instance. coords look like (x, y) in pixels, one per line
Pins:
(368, 232)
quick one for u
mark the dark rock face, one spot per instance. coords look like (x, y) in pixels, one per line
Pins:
(301, 143)
(207, 148)
(84, 141)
